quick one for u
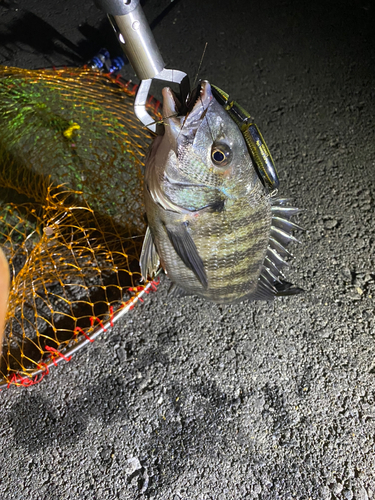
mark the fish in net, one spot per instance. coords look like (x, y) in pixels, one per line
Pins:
(71, 211)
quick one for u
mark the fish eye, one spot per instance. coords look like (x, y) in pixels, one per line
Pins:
(221, 155)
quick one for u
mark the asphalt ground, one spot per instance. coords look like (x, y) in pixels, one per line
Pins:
(188, 400)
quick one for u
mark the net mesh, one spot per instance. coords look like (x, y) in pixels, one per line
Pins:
(71, 211)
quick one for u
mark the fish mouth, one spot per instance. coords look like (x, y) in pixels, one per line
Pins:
(196, 96)
(191, 112)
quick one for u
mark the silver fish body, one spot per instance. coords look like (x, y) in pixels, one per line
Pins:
(211, 222)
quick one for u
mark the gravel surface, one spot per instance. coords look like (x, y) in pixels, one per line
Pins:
(186, 400)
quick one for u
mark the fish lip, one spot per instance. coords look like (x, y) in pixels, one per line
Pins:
(171, 104)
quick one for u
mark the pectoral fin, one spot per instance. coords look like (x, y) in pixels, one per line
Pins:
(149, 260)
(187, 251)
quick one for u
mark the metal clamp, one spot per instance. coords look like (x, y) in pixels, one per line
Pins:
(168, 75)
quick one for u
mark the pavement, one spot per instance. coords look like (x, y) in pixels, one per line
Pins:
(187, 400)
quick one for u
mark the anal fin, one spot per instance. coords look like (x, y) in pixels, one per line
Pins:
(177, 291)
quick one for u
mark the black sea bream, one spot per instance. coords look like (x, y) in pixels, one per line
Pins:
(212, 225)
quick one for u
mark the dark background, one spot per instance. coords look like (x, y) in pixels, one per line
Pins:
(189, 400)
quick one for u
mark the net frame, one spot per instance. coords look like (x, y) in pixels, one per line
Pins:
(57, 356)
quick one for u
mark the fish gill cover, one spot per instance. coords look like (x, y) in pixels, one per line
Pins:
(71, 210)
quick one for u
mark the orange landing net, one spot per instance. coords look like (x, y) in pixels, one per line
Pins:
(71, 212)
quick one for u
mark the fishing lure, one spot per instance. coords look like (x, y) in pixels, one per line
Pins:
(257, 146)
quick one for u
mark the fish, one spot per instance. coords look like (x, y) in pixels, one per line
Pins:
(213, 225)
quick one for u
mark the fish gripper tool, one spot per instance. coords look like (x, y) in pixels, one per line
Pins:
(138, 43)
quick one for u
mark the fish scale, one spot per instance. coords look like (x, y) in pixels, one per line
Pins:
(240, 257)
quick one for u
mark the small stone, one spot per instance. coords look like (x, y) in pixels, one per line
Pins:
(259, 402)
(121, 354)
(366, 207)
(146, 480)
(348, 494)
(326, 333)
(359, 290)
(45, 476)
(325, 493)
(367, 277)
(257, 489)
(106, 454)
(231, 354)
(133, 464)
(337, 488)
(360, 242)
(330, 224)
(145, 383)
(346, 273)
